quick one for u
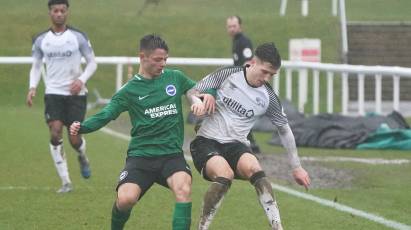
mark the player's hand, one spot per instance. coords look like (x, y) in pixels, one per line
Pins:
(74, 128)
(76, 86)
(30, 95)
(301, 177)
(209, 102)
(198, 109)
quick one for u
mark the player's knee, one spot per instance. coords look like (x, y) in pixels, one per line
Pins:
(251, 170)
(254, 169)
(228, 174)
(183, 192)
(217, 166)
(126, 201)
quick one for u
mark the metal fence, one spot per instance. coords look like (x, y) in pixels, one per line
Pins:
(304, 70)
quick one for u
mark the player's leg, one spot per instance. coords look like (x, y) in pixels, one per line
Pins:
(221, 175)
(54, 109)
(75, 111)
(132, 185)
(58, 155)
(176, 175)
(127, 196)
(79, 144)
(248, 167)
(215, 168)
(180, 185)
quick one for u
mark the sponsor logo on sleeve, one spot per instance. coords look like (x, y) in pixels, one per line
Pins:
(247, 53)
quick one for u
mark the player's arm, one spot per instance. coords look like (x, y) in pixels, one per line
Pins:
(35, 72)
(209, 85)
(288, 141)
(214, 80)
(111, 111)
(87, 52)
(196, 104)
(279, 119)
(193, 95)
(90, 67)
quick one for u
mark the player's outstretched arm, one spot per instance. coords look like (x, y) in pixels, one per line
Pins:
(74, 128)
(288, 141)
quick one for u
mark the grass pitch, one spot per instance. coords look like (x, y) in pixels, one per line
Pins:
(192, 28)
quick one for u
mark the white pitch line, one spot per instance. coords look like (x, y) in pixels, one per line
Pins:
(373, 161)
(116, 134)
(344, 208)
(10, 188)
(45, 188)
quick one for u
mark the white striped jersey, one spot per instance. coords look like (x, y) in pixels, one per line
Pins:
(238, 106)
(62, 54)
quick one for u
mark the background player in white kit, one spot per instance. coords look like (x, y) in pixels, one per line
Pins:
(65, 98)
(221, 151)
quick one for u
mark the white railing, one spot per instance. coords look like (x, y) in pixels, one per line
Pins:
(303, 68)
(332, 70)
(304, 7)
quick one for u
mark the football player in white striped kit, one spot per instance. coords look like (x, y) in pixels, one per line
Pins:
(65, 98)
(221, 151)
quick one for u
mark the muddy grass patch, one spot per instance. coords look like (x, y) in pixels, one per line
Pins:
(277, 168)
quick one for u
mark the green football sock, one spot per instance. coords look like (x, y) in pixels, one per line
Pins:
(182, 216)
(118, 218)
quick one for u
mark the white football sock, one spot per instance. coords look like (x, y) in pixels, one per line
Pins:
(268, 202)
(58, 155)
(271, 209)
(82, 149)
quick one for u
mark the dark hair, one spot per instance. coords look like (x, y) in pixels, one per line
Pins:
(151, 42)
(55, 2)
(238, 18)
(267, 52)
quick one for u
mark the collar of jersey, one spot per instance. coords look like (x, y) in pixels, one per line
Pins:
(59, 33)
(141, 78)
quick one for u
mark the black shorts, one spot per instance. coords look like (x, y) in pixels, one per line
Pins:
(65, 108)
(144, 171)
(203, 149)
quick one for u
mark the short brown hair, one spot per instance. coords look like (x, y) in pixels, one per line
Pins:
(267, 52)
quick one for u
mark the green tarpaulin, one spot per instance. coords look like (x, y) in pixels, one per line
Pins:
(387, 138)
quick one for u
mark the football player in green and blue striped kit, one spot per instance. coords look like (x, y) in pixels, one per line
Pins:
(153, 100)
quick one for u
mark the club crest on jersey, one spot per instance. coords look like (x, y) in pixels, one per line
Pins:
(260, 102)
(123, 175)
(171, 90)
